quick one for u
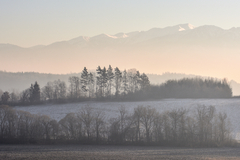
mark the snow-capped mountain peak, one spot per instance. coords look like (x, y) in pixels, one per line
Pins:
(121, 35)
(191, 26)
(111, 36)
(181, 29)
(79, 40)
(188, 26)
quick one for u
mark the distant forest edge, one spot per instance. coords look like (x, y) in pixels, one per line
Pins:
(112, 84)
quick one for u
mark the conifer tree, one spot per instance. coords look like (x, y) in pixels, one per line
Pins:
(99, 88)
(91, 84)
(118, 79)
(104, 80)
(34, 93)
(110, 77)
(125, 82)
(101, 80)
(84, 80)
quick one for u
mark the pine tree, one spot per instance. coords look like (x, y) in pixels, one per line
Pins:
(91, 84)
(104, 80)
(101, 80)
(118, 79)
(125, 82)
(34, 93)
(110, 77)
(99, 88)
(84, 80)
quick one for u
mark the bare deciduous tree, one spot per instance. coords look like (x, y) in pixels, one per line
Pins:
(87, 118)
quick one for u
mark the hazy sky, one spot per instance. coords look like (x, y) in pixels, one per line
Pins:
(32, 22)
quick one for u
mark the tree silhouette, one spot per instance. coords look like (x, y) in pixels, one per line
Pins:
(110, 77)
(91, 83)
(34, 93)
(84, 80)
(144, 81)
(125, 82)
(74, 87)
(118, 79)
(5, 97)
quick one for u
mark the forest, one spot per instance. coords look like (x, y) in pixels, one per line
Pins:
(112, 84)
(144, 126)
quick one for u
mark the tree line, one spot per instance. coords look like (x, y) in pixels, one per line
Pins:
(113, 84)
(104, 84)
(144, 126)
(192, 88)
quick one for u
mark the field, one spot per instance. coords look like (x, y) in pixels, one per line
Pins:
(230, 106)
(87, 152)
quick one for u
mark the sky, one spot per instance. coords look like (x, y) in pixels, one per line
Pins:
(27, 23)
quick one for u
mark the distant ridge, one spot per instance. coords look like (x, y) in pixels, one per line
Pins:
(152, 33)
(182, 48)
(182, 30)
(20, 81)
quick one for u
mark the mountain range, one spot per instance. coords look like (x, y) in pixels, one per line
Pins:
(182, 33)
(184, 48)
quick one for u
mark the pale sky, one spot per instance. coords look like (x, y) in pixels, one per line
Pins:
(28, 23)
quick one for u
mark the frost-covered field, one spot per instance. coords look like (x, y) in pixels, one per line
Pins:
(230, 106)
(88, 152)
